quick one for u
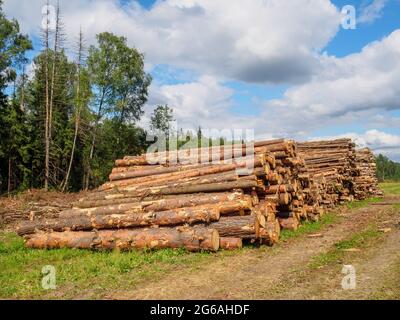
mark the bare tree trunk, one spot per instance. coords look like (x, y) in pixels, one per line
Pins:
(94, 141)
(22, 97)
(78, 111)
(9, 176)
(47, 119)
(53, 70)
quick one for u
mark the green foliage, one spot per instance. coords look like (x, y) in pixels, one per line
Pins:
(362, 203)
(96, 104)
(13, 46)
(118, 77)
(386, 169)
(160, 119)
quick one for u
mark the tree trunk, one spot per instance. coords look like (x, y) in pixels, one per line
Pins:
(173, 176)
(239, 226)
(225, 207)
(89, 173)
(9, 177)
(77, 114)
(47, 119)
(153, 238)
(117, 221)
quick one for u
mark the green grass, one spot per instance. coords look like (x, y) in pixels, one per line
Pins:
(338, 253)
(362, 203)
(82, 273)
(390, 188)
(309, 227)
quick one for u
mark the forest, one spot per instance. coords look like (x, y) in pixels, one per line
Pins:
(63, 123)
(386, 169)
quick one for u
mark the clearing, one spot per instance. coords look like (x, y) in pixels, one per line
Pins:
(306, 264)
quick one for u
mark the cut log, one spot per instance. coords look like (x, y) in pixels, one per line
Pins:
(270, 233)
(238, 226)
(126, 239)
(230, 243)
(289, 223)
(116, 221)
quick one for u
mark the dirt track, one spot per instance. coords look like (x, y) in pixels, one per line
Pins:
(283, 272)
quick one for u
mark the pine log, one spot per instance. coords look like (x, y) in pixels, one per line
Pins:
(230, 243)
(166, 202)
(117, 221)
(237, 226)
(289, 223)
(270, 233)
(126, 239)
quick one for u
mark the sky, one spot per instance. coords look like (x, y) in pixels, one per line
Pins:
(285, 68)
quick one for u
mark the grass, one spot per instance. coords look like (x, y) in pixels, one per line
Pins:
(390, 188)
(338, 253)
(309, 227)
(82, 273)
(362, 203)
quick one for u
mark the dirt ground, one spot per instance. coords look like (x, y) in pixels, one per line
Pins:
(286, 272)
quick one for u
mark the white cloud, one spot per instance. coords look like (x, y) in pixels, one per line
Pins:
(195, 103)
(364, 81)
(371, 12)
(255, 41)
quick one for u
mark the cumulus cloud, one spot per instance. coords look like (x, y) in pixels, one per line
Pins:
(362, 81)
(199, 102)
(257, 41)
(372, 11)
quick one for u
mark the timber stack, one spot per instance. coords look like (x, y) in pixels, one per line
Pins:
(366, 182)
(204, 198)
(331, 167)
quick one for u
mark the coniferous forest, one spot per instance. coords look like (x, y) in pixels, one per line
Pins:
(77, 110)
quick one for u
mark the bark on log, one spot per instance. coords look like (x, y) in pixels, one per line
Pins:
(173, 176)
(230, 243)
(166, 202)
(117, 221)
(237, 226)
(154, 238)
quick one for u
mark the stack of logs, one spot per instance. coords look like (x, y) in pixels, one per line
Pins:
(366, 182)
(331, 164)
(204, 198)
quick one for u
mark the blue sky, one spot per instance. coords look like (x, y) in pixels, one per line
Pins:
(281, 67)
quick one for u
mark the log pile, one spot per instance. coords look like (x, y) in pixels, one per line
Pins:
(331, 167)
(204, 198)
(366, 182)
